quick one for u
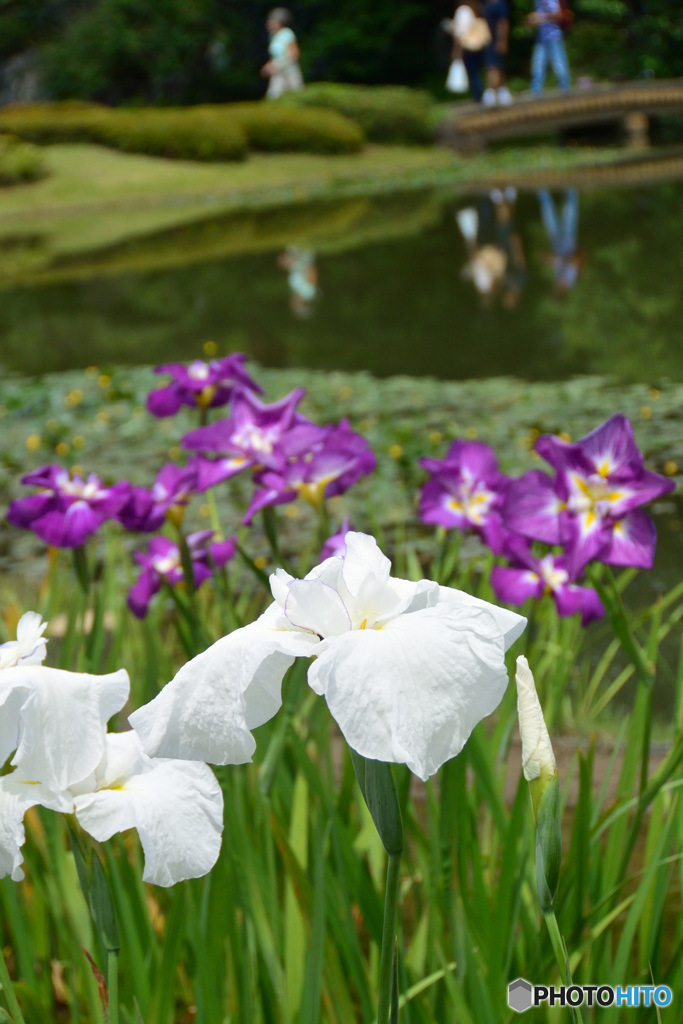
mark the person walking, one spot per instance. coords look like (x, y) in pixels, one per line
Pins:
(282, 69)
(497, 14)
(549, 48)
(471, 35)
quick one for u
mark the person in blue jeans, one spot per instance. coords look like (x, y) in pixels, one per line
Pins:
(549, 48)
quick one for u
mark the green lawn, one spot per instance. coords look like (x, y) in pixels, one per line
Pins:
(95, 198)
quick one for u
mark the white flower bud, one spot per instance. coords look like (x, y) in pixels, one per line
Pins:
(537, 753)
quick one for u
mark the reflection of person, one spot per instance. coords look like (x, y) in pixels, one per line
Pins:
(283, 67)
(495, 263)
(549, 47)
(497, 14)
(302, 278)
(566, 260)
(470, 37)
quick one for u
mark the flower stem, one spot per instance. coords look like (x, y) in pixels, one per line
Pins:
(386, 967)
(113, 985)
(561, 957)
(7, 988)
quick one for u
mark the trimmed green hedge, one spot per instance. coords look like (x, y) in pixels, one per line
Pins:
(218, 132)
(274, 128)
(19, 161)
(390, 114)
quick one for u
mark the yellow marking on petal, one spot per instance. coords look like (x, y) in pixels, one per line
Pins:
(590, 518)
(603, 468)
(454, 505)
(313, 493)
(205, 396)
(363, 624)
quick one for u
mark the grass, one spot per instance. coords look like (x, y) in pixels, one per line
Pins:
(93, 197)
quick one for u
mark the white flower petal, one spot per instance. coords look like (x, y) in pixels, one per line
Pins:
(176, 807)
(510, 624)
(12, 834)
(207, 712)
(30, 629)
(61, 720)
(314, 606)
(363, 558)
(30, 646)
(412, 691)
(279, 584)
(16, 796)
(537, 751)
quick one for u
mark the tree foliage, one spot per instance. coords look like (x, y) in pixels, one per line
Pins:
(170, 51)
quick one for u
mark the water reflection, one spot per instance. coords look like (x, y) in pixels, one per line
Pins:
(394, 300)
(561, 223)
(302, 277)
(495, 252)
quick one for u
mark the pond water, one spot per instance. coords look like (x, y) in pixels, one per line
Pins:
(537, 284)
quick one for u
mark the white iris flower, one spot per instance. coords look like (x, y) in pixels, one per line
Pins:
(407, 669)
(55, 723)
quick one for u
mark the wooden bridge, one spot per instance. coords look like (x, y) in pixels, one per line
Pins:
(471, 126)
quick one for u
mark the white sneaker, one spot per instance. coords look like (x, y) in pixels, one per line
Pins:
(489, 98)
(504, 96)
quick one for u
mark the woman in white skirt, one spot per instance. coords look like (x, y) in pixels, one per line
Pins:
(283, 67)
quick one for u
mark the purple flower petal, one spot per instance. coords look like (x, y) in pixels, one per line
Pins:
(67, 528)
(24, 511)
(515, 586)
(532, 507)
(586, 537)
(141, 593)
(633, 542)
(222, 551)
(572, 599)
(165, 401)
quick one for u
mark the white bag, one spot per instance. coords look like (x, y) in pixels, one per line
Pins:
(457, 80)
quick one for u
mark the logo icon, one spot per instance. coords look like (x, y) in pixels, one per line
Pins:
(520, 995)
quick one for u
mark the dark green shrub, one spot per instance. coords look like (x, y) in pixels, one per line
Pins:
(217, 132)
(186, 134)
(390, 113)
(275, 128)
(19, 161)
(70, 121)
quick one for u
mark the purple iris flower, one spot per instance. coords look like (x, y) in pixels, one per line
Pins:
(466, 491)
(593, 504)
(162, 563)
(332, 464)
(533, 576)
(201, 384)
(336, 544)
(252, 435)
(146, 510)
(67, 508)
